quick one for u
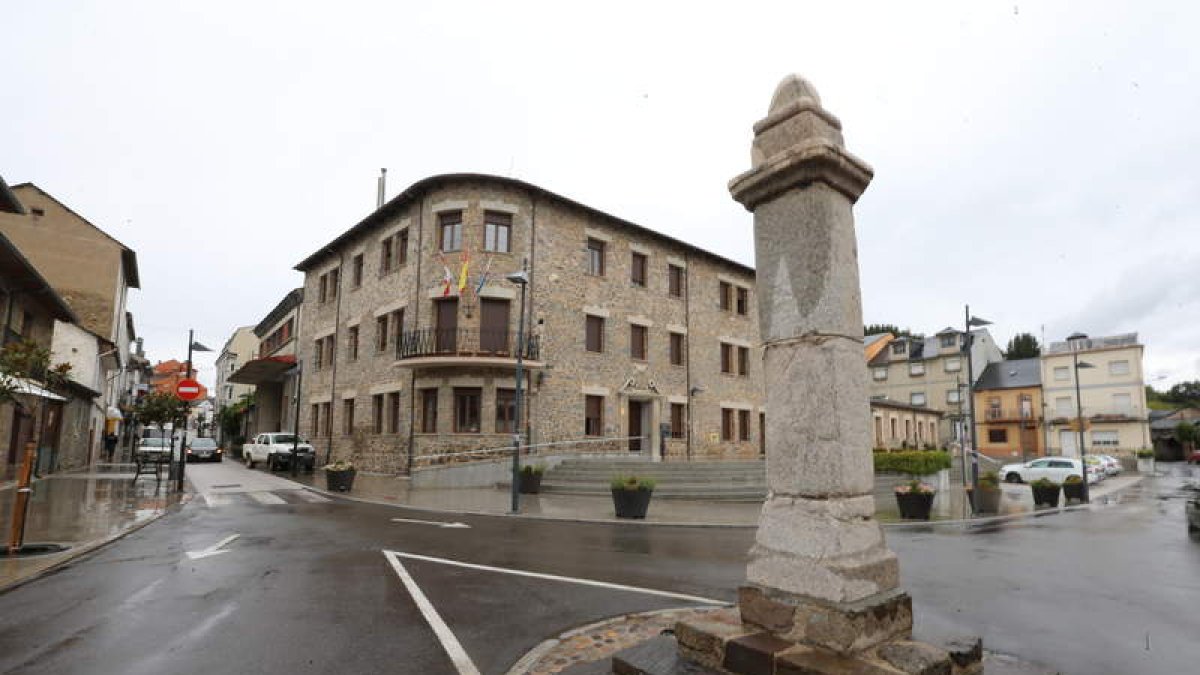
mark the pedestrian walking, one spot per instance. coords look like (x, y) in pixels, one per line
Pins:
(110, 446)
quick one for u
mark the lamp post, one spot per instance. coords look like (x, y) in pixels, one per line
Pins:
(1079, 411)
(521, 279)
(968, 340)
(193, 346)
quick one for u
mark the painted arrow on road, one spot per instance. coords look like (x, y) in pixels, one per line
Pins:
(215, 549)
(431, 522)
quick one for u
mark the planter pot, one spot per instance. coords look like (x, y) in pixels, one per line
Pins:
(1072, 491)
(914, 506)
(1145, 465)
(529, 483)
(631, 503)
(1045, 496)
(988, 500)
(339, 481)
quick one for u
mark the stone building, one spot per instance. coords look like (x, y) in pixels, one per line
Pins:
(896, 425)
(635, 342)
(931, 372)
(1112, 390)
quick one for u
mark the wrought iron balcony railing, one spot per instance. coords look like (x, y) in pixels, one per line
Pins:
(427, 342)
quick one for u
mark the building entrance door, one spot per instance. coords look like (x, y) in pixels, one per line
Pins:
(637, 426)
(447, 325)
(1069, 440)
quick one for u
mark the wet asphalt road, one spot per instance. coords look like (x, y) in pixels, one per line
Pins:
(306, 588)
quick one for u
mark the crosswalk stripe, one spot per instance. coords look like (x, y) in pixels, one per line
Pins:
(266, 498)
(217, 499)
(311, 497)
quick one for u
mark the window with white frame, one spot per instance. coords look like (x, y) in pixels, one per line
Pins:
(1122, 403)
(879, 373)
(1118, 367)
(953, 365)
(1062, 373)
(1063, 407)
(953, 396)
(1105, 439)
(917, 398)
(916, 368)
(949, 340)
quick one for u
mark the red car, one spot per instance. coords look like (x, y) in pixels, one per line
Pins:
(1194, 458)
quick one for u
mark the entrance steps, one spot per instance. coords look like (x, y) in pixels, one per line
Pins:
(740, 481)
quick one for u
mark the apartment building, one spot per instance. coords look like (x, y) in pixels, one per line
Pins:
(1112, 392)
(932, 372)
(634, 341)
(1008, 410)
(272, 369)
(240, 348)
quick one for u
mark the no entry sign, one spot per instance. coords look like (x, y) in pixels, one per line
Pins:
(188, 390)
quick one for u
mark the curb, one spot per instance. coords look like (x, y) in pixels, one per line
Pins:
(87, 548)
(614, 521)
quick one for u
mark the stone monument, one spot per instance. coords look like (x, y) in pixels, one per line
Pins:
(822, 592)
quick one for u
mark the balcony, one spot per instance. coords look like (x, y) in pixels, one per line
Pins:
(1009, 415)
(1107, 414)
(466, 346)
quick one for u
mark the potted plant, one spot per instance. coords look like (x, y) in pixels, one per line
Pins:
(988, 499)
(530, 479)
(631, 495)
(339, 476)
(915, 499)
(1045, 492)
(1072, 488)
(1145, 460)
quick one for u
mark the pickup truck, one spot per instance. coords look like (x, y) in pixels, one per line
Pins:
(276, 450)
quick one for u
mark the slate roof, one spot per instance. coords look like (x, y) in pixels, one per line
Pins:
(1013, 374)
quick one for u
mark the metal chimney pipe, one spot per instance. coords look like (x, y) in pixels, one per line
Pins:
(382, 188)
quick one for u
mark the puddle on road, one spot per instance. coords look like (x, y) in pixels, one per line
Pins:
(78, 509)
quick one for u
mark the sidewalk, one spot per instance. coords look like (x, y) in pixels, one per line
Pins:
(384, 489)
(81, 511)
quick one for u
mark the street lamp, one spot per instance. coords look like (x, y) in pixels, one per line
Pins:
(193, 346)
(521, 279)
(968, 340)
(1079, 411)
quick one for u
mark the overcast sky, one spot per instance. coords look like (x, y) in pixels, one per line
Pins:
(1034, 160)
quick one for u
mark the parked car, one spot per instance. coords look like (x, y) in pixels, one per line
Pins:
(1055, 468)
(1112, 465)
(1194, 458)
(154, 448)
(276, 450)
(1096, 466)
(203, 449)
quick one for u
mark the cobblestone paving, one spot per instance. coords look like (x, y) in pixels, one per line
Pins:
(601, 640)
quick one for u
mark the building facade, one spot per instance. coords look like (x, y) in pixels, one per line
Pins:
(896, 425)
(240, 348)
(633, 342)
(1112, 392)
(932, 372)
(273, 371)
(1008, 410)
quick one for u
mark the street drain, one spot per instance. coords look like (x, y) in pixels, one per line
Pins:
(30, 550)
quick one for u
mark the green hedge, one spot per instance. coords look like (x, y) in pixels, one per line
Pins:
(916, 463)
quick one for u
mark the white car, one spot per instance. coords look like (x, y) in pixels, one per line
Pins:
(1055, 468)
(1112, 465)
(276, 450)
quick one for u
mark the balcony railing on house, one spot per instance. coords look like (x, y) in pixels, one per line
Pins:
(465, 342)
(1010, 415)
(1131, 414)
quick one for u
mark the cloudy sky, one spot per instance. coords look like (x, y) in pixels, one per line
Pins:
(1035, 160)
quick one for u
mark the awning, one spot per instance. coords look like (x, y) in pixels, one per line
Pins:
(264, 370)
(23, 386)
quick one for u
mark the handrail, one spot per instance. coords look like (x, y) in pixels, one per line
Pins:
(464, 342)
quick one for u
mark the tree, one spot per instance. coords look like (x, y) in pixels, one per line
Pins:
(1184, 393)
(159, 408)
(230, 417)
(1187, 435)
(23, 364)
(1023, 346)
(880, 328)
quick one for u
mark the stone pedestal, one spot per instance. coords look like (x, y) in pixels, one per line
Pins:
(822, 592)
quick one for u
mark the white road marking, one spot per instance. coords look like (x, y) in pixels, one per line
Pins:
(215, 549)
(311, 497)
(217, 499)
(453, 648)
(552, 577)
(266, 498)
(439, 523)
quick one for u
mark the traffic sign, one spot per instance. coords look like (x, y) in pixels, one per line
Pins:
(188, 390)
